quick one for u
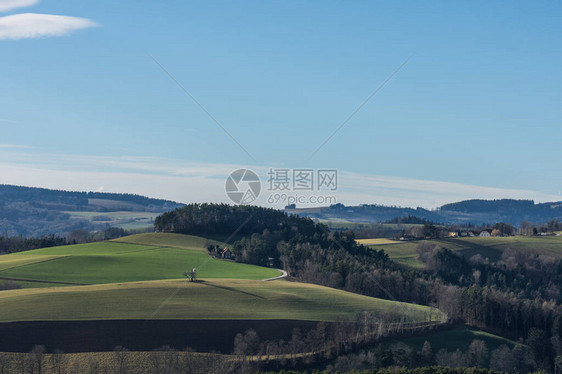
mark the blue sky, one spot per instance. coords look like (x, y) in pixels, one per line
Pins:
(477, 105)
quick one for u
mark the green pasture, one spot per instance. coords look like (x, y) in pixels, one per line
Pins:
(117, 261)
(209, 299)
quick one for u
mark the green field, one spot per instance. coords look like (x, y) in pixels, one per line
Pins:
(141, 277)
(168, 240)
(402, 252)
(209, 299)
(376, 241)
(117, 261)
(127, 220)
(14, 261)
(456, 338)
(490, 247)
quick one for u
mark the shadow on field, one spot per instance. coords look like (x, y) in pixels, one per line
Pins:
(230, 289)
(140, 335)
(469, 249)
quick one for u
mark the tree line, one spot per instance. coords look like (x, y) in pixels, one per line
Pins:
(13, 244)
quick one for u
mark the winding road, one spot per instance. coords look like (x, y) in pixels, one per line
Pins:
(283, 275)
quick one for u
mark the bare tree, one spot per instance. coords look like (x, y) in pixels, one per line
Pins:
(23, 363)
(37, 358)
(240, 347)
(57, 361)
(502, 359)
(121, 358)
(477, 353)
(94, 366)
(451, 359)
(427, 253)
(4, 363)
(252, 343)
(164, 360)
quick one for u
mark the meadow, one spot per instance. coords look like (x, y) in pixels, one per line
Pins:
(140, 277)
(376, 241)
(128, 220)
(403, 253)
(208, 299)
(164, 256)
(487, 247)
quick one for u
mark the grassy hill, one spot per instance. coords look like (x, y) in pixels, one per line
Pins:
(101, 290)
(209, 299)
(164, 256)
(487, 247)
(402, 252)
(162, 239)
(139, 276)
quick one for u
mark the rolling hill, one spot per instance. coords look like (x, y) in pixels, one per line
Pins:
(180, 299)
(469, 211)
(132, 276)
(487, 247)
(131, 291)
(154, 257)
(30, 211)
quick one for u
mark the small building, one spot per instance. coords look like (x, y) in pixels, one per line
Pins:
(408, 238)
(484, 234)
(226, 253)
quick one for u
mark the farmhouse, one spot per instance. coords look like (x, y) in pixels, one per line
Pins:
(226, 253)
(484, 233)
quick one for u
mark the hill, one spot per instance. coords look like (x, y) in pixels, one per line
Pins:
(469, 211)
(131, 292)
(32, 211)
(153, 257)
(131, 276)
(180, 299)
(491, 248)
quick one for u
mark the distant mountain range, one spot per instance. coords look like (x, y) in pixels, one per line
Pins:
(29, 211)
(470, 211)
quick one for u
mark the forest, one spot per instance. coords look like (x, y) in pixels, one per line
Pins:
(517, 297)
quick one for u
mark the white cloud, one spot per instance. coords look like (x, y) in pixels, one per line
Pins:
(377, 189)
(199, 182)
(6, 5)
(32, 25)
(15, 146)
